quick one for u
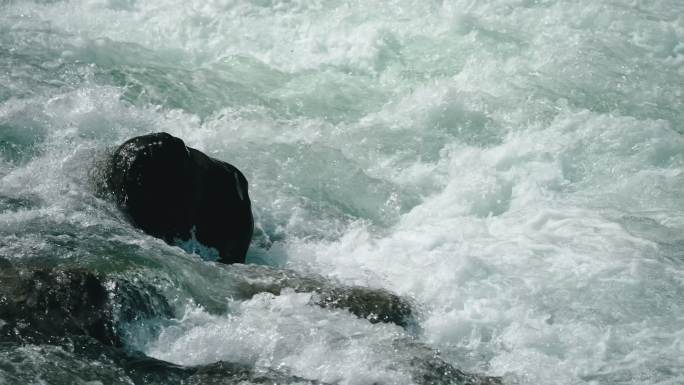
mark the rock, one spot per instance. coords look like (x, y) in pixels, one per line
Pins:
(375, 305)
(63, 323)
(179, 194)
(227, 373)
(427, 367)
(43, 305)
(83, 360)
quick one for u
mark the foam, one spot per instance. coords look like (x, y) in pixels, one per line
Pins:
(514, 167)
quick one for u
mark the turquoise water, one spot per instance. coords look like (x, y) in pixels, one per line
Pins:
(514, 167)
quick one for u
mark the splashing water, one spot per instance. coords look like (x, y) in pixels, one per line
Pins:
(516, 168)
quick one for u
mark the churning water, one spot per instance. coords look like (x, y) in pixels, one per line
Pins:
(515, 168)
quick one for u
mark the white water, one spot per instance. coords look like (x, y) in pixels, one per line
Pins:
(514, 167)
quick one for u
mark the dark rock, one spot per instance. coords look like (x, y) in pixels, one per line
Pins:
(227, 373)
(427, 367)
(81, 359)
(375, 305)
(177, 193)
(42, 305)
(70, 316)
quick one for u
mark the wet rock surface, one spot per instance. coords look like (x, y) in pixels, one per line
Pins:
(84, 360)
(69, 318)
(63, 324)
(375, 305)
(41, 304)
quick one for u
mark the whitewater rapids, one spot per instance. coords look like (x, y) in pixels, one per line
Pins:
(513, 167)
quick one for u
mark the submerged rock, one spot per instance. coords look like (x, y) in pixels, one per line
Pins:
(58, 322)
(226, 373)
(427, 367)
(178, 194)
(43, 305)
(375, 305)
(83, 360)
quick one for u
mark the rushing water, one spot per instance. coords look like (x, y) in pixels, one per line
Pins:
(515, 168)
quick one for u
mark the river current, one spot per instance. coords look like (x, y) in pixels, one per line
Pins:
(513, 168)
